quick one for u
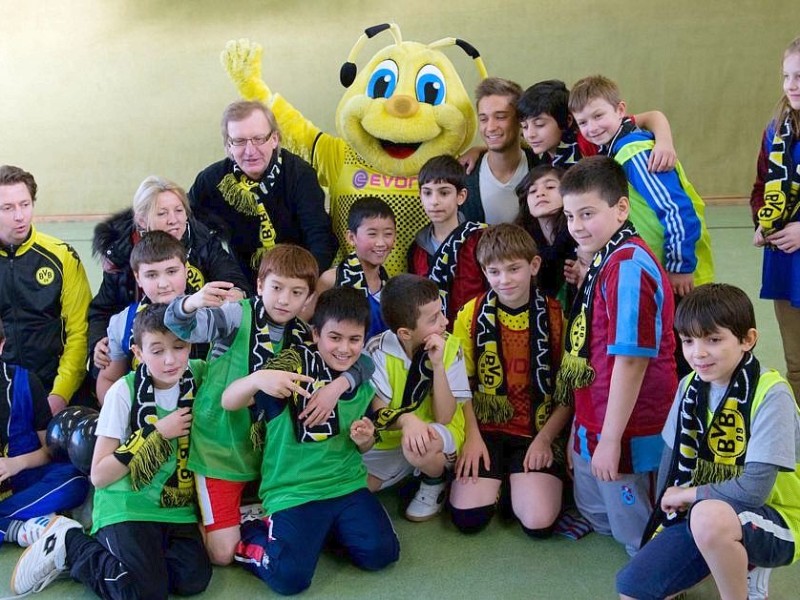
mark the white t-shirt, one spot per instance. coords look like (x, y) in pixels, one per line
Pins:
(115, 416)
(499, 200)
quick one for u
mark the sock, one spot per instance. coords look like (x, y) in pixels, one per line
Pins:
(13, 530)
(433, 480)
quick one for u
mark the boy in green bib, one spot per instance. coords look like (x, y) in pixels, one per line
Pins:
(244, 335)
(314, 482)
(145, 542)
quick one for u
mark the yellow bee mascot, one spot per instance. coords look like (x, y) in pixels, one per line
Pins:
(407, 105)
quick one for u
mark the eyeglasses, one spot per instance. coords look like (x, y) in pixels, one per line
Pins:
(258, 140)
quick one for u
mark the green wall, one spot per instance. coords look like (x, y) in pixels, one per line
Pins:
(98, 94)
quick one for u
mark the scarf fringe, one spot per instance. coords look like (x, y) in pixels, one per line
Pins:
(172, 497)
(492, 408)
(148, 460)
(710, 472)
(258, 435)
(238, 195)
(575, 372)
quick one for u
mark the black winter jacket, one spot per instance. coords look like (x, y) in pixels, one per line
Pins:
(113, 242)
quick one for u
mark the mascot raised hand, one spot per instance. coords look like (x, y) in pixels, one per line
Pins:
(404, 107)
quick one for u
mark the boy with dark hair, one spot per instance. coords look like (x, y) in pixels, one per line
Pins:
(618, 358)
(515, 432)
(31, 487)
(421, 384)
(371, 230)
(444, 251)
(550, 130)
(145, 542)
(664, 207)
(314, 483)
(158, 262)
(244, 336)
(730, 473)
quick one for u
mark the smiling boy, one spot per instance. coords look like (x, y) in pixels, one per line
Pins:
(314, 483)
(731, 470)
(664, 207)
(371, 231)
(618, 355)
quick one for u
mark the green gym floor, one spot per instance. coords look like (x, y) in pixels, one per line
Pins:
(438, 562)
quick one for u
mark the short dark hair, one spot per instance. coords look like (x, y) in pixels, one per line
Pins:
(341, 304)
(155, 247)
(443, 169)
(600, 174)
(288, 260)
(549, 97)
(524, 218)
(10, 175)
(714, 306)
(403, 296)
(149, 320)
(368, 207)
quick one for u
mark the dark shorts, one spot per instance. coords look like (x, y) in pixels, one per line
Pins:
(507, 455)
(671, 561)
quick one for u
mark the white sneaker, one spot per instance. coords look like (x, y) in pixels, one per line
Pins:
(45, 560)
(427, 502)
(32, 529)
(758, 583)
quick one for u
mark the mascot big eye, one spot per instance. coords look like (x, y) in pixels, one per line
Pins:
(404, 107)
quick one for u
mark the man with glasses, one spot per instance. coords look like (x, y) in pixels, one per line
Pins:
(260, 194)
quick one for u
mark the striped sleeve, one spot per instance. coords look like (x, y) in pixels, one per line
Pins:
(673, 207)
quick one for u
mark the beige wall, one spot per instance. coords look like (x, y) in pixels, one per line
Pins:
(97, 94)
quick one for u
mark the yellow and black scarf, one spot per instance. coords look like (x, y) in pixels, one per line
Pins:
(350, 273)
(783, 179)
(250, 198)
(568, 151)
(306, 360)
(575, 371)
(715, 452)
(262, 351)
(418, 386)
(443, 270)
(146, 450)
(490, 400)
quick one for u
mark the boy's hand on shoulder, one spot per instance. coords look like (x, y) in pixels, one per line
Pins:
(211, 295)
(281, 384)
(176, 424)
(663, 157)
(322, 402)
(416, 434)
(469, 159)
(101, 356)
(539, 455)
(8, 468)
(469, 459)
(682, 283)
(362, 432)
(678, 499)
(434, 346)
(605, 460)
